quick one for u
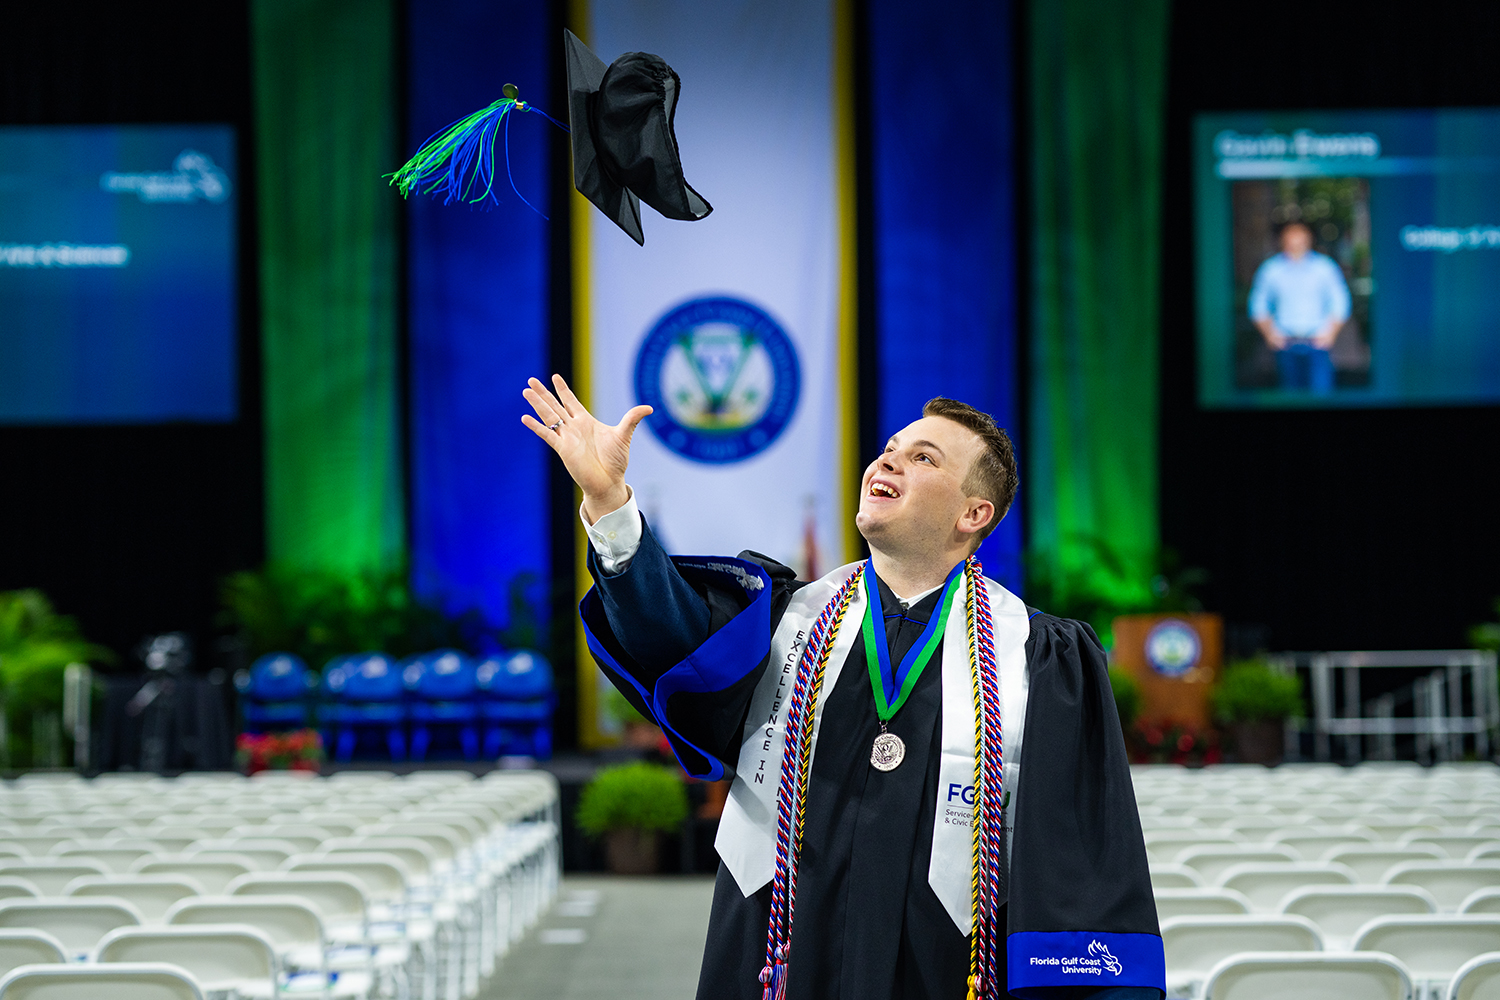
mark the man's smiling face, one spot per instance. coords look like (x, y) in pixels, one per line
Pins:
(912, 495)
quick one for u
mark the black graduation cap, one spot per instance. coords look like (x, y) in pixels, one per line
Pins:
(624, 146)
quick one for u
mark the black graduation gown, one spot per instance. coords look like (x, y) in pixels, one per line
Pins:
(867, 925)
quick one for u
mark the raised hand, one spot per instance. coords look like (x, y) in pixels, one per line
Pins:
(594, 453)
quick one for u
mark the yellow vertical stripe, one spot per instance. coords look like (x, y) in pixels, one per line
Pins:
(579, 220)
(847, 501)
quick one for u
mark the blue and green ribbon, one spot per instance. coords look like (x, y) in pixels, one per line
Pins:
(893, 687)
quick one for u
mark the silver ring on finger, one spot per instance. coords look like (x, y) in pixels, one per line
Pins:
(555, 426)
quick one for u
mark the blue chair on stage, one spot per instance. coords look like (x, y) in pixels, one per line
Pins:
(366, 697)
(441, 686)
(273, 693)
(516, 702)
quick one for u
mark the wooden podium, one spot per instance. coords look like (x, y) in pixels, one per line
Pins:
(1176, 658)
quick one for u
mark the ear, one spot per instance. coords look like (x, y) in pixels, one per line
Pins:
(976, 516)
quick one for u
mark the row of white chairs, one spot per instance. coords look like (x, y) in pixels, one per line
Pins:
(1259, 975)
(1266, 884)
(404, 886)
(1322, 881)
(1432, 948)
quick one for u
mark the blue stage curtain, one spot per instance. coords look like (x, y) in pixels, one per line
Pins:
(941, 144)
(479, 315)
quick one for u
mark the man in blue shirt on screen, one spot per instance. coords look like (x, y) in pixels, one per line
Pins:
(1299, 302)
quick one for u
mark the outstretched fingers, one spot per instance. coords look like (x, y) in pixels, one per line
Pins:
(542, 431)
(569, 401)
(548, 410)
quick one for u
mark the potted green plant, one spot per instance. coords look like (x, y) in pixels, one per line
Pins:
(630, 806)
(36, 646)
(1253, 702)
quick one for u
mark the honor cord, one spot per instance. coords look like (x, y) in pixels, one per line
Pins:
(791, 794)
(989, 771)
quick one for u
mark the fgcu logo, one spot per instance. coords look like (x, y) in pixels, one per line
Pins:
(1097, 962)
(1099, 951)
(722, 377)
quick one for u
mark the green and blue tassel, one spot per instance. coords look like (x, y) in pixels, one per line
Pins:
(459, 161)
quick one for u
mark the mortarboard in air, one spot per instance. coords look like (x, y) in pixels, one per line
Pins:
(624, 144)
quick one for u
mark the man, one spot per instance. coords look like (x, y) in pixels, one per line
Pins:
(1299, 303)
(868, 852)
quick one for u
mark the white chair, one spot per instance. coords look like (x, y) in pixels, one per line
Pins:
(420, 859)
(1258, 826)
(1312, 845)
(1265, 885)
(293, 926)
(1308, 976)
(1194, 945)
(20, 947)
(1481, 901)
(221, 959)
(79, 828)
(336, 824)
(1453, 845)
(1165, 845)
(77, 923)
(1392, 831)
(1341, 910)
(385, 879)
(1477, 979)
(442, 840)
(1433, 948)
(338, 898)
(177, 834)
(341, 903)
(302, 836)
(1212, 862)
(152, 895)
(267, 855)
(1199, 902)
(135, 981)
(114, 859)
(50, 878)
(38, 845)
(1450, 882)
(13, 887)
(1370, 864)
(213, 872)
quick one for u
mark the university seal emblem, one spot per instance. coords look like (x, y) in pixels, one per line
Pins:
(722, 377)
(1173, 647)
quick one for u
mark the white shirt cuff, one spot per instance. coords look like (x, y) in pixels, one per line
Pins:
(615, 537)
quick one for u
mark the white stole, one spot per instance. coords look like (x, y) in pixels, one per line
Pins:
(747, 831)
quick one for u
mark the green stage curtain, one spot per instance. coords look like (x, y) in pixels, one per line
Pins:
(1098, 84)
(325, 126)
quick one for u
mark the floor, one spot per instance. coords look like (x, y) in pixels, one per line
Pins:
(626, 938)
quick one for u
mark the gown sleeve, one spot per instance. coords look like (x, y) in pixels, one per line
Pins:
(685, 639)
(1082, 916)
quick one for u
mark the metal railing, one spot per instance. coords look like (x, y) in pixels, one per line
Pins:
(1444, 714)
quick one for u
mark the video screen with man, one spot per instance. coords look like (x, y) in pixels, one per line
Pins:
(1348, 258)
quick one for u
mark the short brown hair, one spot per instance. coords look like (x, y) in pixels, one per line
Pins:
(993, 474)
